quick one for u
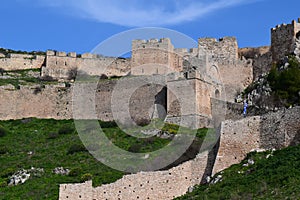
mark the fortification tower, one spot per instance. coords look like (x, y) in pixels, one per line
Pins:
(154, 57)
(285, 40)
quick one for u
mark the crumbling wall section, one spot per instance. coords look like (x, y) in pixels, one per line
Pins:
(162, 185)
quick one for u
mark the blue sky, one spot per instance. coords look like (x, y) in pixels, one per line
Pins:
(79, 25)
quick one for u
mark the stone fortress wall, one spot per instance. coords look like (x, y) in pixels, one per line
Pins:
(273, 130)
(60, 65)
(14, 61)
(55, 101)
(143, 185)
(261, 59)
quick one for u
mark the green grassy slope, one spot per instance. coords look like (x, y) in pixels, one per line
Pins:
(54, 144)
(275, 177)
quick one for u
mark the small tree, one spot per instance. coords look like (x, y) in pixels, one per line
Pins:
(72, 73)
(2, 71)
(86, 177)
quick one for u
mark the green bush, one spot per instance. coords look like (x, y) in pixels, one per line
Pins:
(285, 83)
(75, 171)
(76, 148)
(3, 182)
(86, 177)
(111, 124)
(3, 150)
(135, 148)
(171, 128)
(53, 135)
(66, 130)
(3, 131)
(7, 172)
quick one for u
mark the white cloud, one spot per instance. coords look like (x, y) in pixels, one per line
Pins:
(139, 13)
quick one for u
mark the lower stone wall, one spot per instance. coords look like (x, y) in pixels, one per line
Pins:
(50, 101)
(55, 100)
(161, 185)
(280, 129)
(272, 130)
(237, 139)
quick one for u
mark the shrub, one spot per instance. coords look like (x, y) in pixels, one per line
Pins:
(86, 177)
(53, 135)
(76, 148)
(135, 148)
(66, 130)
(3, 182)
(75, 171)
(67, 84)
(26, 120)
(2, 71)
(72, 73)
(47, 78)
(142, 122)
(285, 83)
(170, 128)
(103, 76)
(110, 124)
(7, 172)
(3, 131)
(3, 150)
(37, 90)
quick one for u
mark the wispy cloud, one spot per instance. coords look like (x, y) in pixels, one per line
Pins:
(139, 13)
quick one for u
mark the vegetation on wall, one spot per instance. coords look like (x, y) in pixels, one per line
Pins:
(9, 51)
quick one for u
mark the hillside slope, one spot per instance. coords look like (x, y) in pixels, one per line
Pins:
(274, 175)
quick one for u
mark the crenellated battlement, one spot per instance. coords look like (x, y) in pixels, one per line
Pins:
(73, 55)
(163, 44)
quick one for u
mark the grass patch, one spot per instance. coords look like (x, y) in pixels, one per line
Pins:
(33, 135)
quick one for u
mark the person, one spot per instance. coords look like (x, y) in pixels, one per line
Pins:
(245, 108)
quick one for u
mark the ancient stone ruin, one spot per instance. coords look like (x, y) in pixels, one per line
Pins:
(216, 71)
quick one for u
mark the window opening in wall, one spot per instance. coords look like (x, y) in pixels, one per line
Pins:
(217, 93)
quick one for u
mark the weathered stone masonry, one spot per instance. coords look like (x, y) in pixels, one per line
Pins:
(144, 185)
(273, 130)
